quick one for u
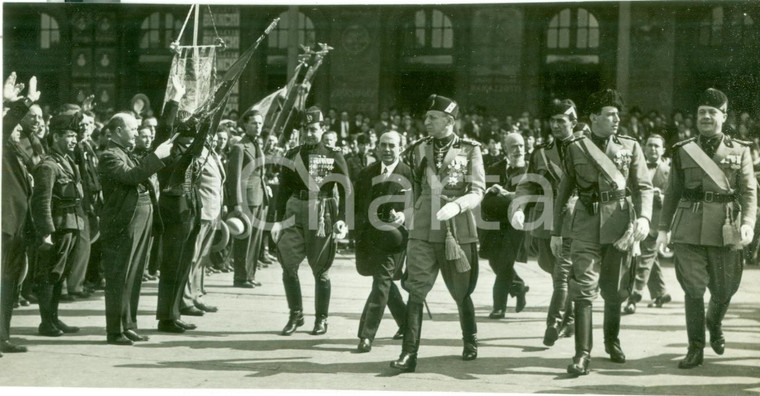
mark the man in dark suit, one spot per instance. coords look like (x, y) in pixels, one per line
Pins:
(362, 158)
(127, 220)
(387, 183)
(18, 156)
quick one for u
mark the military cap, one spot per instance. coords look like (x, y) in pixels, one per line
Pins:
(390, 241)
(313, 114)
(64, 122)
(444, 104)
(714, 98)
(603, 98)
(495, 207)
(564, 107)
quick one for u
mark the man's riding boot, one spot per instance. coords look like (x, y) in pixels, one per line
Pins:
(293, 295)
(407, 361)
(568, 326)
(714, 320)
(45, 300)
(555, 316)
(321, 305)
(57, 289)
(583, 339)
(611, 332)
(469, 329)
(695, 329)
(500, 295)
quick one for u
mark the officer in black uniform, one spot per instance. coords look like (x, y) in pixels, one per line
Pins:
(309, 221)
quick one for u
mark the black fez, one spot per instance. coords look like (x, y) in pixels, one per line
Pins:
(444, 104)
(603, 98)
(714, 98)
(495, 207)
(64, 122)
(564, 107)
(313, 114)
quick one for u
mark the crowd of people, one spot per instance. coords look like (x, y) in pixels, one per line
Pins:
(98, 201)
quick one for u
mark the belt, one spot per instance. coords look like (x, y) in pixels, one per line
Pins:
(708, 196)
(306, 194)
(144, 198)
(612, 195)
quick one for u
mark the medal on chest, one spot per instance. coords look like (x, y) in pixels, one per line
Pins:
(320, 166)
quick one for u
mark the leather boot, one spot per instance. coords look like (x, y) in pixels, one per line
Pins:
(322, 290)
(66, 329)
(469, 329)
(500, 295)
(714, 320)
(568, 325)
(583, 339)
(611, 332)
(295, 304)
(45, 300)
(695, 329)
(555, 316)
(407, 361)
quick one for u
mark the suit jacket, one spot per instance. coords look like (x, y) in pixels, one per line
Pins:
(461, 179)
(702, 225)
(491, 238)
(582, 172)
(17, 181)
(58, 196)
(358, 162)
(660, 183)
(245, 185)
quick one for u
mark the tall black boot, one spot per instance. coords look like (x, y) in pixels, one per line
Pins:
(555, 316)
(322, 290)
(45, 300)
(500, 295)
(57, 289)
(695, 328)
(714, 320)
(469, 329)
(568, 325)
(611, 332)
(295, 304)
(407, 361)
(583, 339)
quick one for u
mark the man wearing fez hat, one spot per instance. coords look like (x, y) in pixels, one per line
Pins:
(709, 215)
(58, 219)
(308, 221)
(448, 183)
(546, 163)
(501, 243)
(611, 215)
(247, 197)
(383, 191)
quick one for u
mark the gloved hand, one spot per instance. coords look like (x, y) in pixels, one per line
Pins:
(518, 220)
(448, 211)
(556, 245)
(663, 239)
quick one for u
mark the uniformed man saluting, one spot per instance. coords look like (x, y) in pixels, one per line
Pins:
(614, 203)
(710, 210)
(307, 217)
(448, 182)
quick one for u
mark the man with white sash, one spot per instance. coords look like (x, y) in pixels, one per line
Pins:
(614, 204)
(709, 215)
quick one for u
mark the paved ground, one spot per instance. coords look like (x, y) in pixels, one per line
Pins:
(239, 347)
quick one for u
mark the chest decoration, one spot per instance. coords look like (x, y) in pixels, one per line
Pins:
(733, 161)
(320, 166)
(456, 171)
(622, 159)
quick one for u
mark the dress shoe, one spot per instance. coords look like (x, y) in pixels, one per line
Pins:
(185, 325)
(615, 351)
(255, 282)
(320, 326)
(170, 326)
(206, 308)
(22, 302)
(66, 328)
(118, 339)
(406, 363)
(520, 303)
(7, 347)
(660, 301)
(264, 259)
(133, 336)
(145, 278)
(243, 285)
(718, 344)
(365, 345)
(568, 330)
(399, 334)
(191, 311)
(630, 308)
(497, 314)
(294, 321)
(580, 365)
(470, 350)
(29, 296)
(49, 330)
(551, 335)
(694, 357)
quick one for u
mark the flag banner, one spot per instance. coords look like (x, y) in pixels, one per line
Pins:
(196, 66)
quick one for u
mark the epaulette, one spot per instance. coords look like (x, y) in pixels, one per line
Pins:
(682, 142)
(742, 142)
(627, 137)
(470, 142)
(574, 138)
(546, 145)
(417, 142)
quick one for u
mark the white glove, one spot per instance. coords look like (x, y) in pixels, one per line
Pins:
(556, 245)
(640, 229)
(275, 231)
(398, 218)
(663, 239)
(340, 229)
(747, 234)
(518, 220)
(448, 211)
(164, 149)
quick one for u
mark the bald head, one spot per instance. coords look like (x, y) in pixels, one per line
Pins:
(514, 145)
(123, 127)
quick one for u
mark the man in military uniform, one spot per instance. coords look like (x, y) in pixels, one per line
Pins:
(58, 219)
(613, 210)
(709, 215)
(448, 182)
(648, 271)
(546, 163)
(308, 220)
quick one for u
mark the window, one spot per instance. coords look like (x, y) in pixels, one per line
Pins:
(573, 28)
(50, 34)
(726, 26)
(432, 29)
(158, 30)
(304, 28)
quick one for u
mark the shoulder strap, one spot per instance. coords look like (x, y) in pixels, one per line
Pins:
(604, 164)
(707, 165)
(555, 170)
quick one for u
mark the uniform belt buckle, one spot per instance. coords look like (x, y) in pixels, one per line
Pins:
(709, 196)
(604, 196)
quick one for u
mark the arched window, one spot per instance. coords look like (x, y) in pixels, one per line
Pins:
(573, 28)
(158, 30)
(430, 29)
(304, 28)
(726, 26)
(50, 34)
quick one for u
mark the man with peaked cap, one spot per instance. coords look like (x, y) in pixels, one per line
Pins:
(708, 214)
(448, 183)
(308, 219)
(546, 167)
(613, 210)
(58, 220)
(383, 191)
